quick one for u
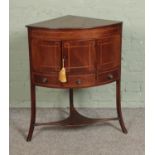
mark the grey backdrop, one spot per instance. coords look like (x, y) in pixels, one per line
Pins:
(131, 12)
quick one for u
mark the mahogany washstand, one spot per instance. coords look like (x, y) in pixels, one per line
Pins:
(91, 49)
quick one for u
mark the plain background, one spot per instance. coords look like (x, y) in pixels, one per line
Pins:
(131, 12)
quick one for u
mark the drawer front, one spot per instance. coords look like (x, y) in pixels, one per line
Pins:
(75, 81)
(46, 80)
(108, 76)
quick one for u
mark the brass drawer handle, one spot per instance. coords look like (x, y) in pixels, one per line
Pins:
(110, 76)
(78, 81)
(44, 80)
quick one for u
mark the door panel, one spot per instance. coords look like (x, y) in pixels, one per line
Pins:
(46, 55)
(79, 56)
(108, 52)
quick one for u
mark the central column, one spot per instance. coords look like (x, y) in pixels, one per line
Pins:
(71, 100)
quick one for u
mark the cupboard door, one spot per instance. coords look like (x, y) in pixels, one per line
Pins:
(46, 55)
(108, 52)
(79, 56)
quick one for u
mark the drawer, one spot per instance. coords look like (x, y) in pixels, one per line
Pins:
(46, 80)
(73, 81)
(108, 76)
(79, 81)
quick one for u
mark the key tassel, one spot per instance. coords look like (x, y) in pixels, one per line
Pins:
(62, 73)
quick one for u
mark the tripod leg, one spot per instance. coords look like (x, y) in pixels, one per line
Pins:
(33, 112)
(118, 104)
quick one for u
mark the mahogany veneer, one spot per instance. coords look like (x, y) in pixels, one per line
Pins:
(91, 49)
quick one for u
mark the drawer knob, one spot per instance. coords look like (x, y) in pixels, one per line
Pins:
(44, 80)
(78, 81)
(110, 76)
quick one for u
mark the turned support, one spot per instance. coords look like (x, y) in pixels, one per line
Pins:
(71, 107)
